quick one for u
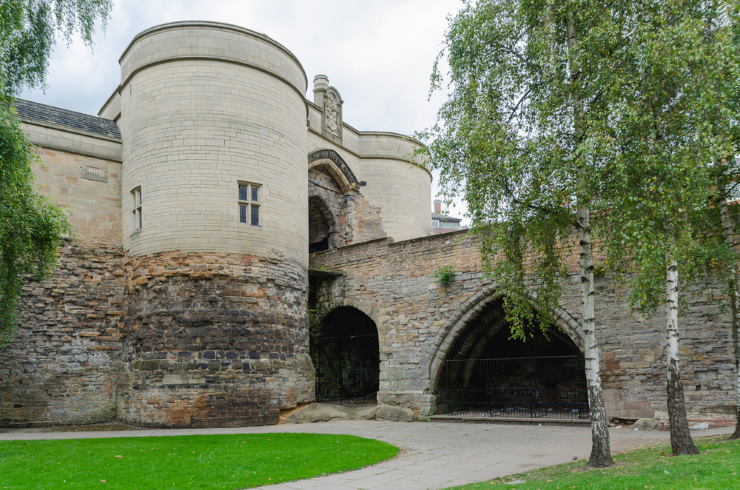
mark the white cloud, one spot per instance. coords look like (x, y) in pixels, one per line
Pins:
(378, 53)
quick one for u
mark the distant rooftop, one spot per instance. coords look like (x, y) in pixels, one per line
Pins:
(33, 112)
(446, 218)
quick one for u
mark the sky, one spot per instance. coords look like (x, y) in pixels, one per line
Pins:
(377, 53)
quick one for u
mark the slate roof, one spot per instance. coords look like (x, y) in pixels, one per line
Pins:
(446, 218)
(41, 113)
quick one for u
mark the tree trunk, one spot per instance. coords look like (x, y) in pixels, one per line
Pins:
(681, 442)
(600, 449)
(728, 233)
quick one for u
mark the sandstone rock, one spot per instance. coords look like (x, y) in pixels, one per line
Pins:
(365, 413)
(319, 412)
(646, 424)
(395, 413)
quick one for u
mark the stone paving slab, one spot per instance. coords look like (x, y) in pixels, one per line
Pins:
(433, 454)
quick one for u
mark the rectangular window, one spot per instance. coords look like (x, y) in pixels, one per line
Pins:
(136, 200)
(249, 203)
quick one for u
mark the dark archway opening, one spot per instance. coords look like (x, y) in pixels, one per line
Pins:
(488, 374)
(346, 357)
(320, 224)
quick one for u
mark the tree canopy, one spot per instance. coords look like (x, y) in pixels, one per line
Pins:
(28, 33)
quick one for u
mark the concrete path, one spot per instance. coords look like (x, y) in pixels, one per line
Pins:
(433, 454)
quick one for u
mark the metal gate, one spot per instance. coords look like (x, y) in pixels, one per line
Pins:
(347, 369)
(494, 392)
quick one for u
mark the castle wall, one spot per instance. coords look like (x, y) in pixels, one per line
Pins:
(393, 283)
(216, 308)
(214, 340)
(65, 360)
(64, 363)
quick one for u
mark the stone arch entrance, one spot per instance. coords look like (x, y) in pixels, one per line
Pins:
(345, 353)
(321, 225)
(479, 371)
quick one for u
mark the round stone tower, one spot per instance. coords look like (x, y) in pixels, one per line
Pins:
(214, 184)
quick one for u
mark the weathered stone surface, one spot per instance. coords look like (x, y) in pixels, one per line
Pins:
(63, 365)
(214, 340)
(646, 424)
(323, 412)
(319, 412)
(395, 413)
(340, 215)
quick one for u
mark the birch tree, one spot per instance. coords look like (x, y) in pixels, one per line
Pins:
(659, 180)
(527, 86)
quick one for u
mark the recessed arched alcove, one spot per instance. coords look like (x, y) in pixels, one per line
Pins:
(484, 372)
(345, 354)
(321, 225)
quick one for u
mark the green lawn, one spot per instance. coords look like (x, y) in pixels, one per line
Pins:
(717, 467)
(213, 461)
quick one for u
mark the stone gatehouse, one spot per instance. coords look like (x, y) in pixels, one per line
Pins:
(239, 250)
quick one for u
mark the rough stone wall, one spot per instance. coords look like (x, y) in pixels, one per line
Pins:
(214, 340)
(64, 363)
(347, 217)
(393, 283)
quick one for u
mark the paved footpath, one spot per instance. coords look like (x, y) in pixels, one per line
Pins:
(433, 454)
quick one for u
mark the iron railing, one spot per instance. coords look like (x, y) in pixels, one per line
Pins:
(513, 403)
(514, 387)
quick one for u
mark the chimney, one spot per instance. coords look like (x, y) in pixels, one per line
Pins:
(438, 206)
(320, 84)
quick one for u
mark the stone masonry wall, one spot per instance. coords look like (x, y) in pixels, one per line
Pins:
(347, 216)
(214, 340)
(65, 360)
(393, 283)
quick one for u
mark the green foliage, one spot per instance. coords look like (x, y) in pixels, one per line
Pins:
(212, 461)
(625, 109)
(716, 467)
(507, 138)
(444, 274)
(28, 30)
(30, 226)
(673, 112)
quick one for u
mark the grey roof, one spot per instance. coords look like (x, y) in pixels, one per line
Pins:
(41, 113)
(445, 217)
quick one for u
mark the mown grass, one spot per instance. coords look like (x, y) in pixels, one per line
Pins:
(718, 466)
(213, 461)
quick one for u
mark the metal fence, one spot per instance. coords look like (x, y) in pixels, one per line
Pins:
(550, 387)
(513, 403)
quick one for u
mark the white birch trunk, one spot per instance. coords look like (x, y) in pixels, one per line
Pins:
(681, 442)
(600, 446)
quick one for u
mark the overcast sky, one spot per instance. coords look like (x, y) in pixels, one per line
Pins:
(377, 53)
